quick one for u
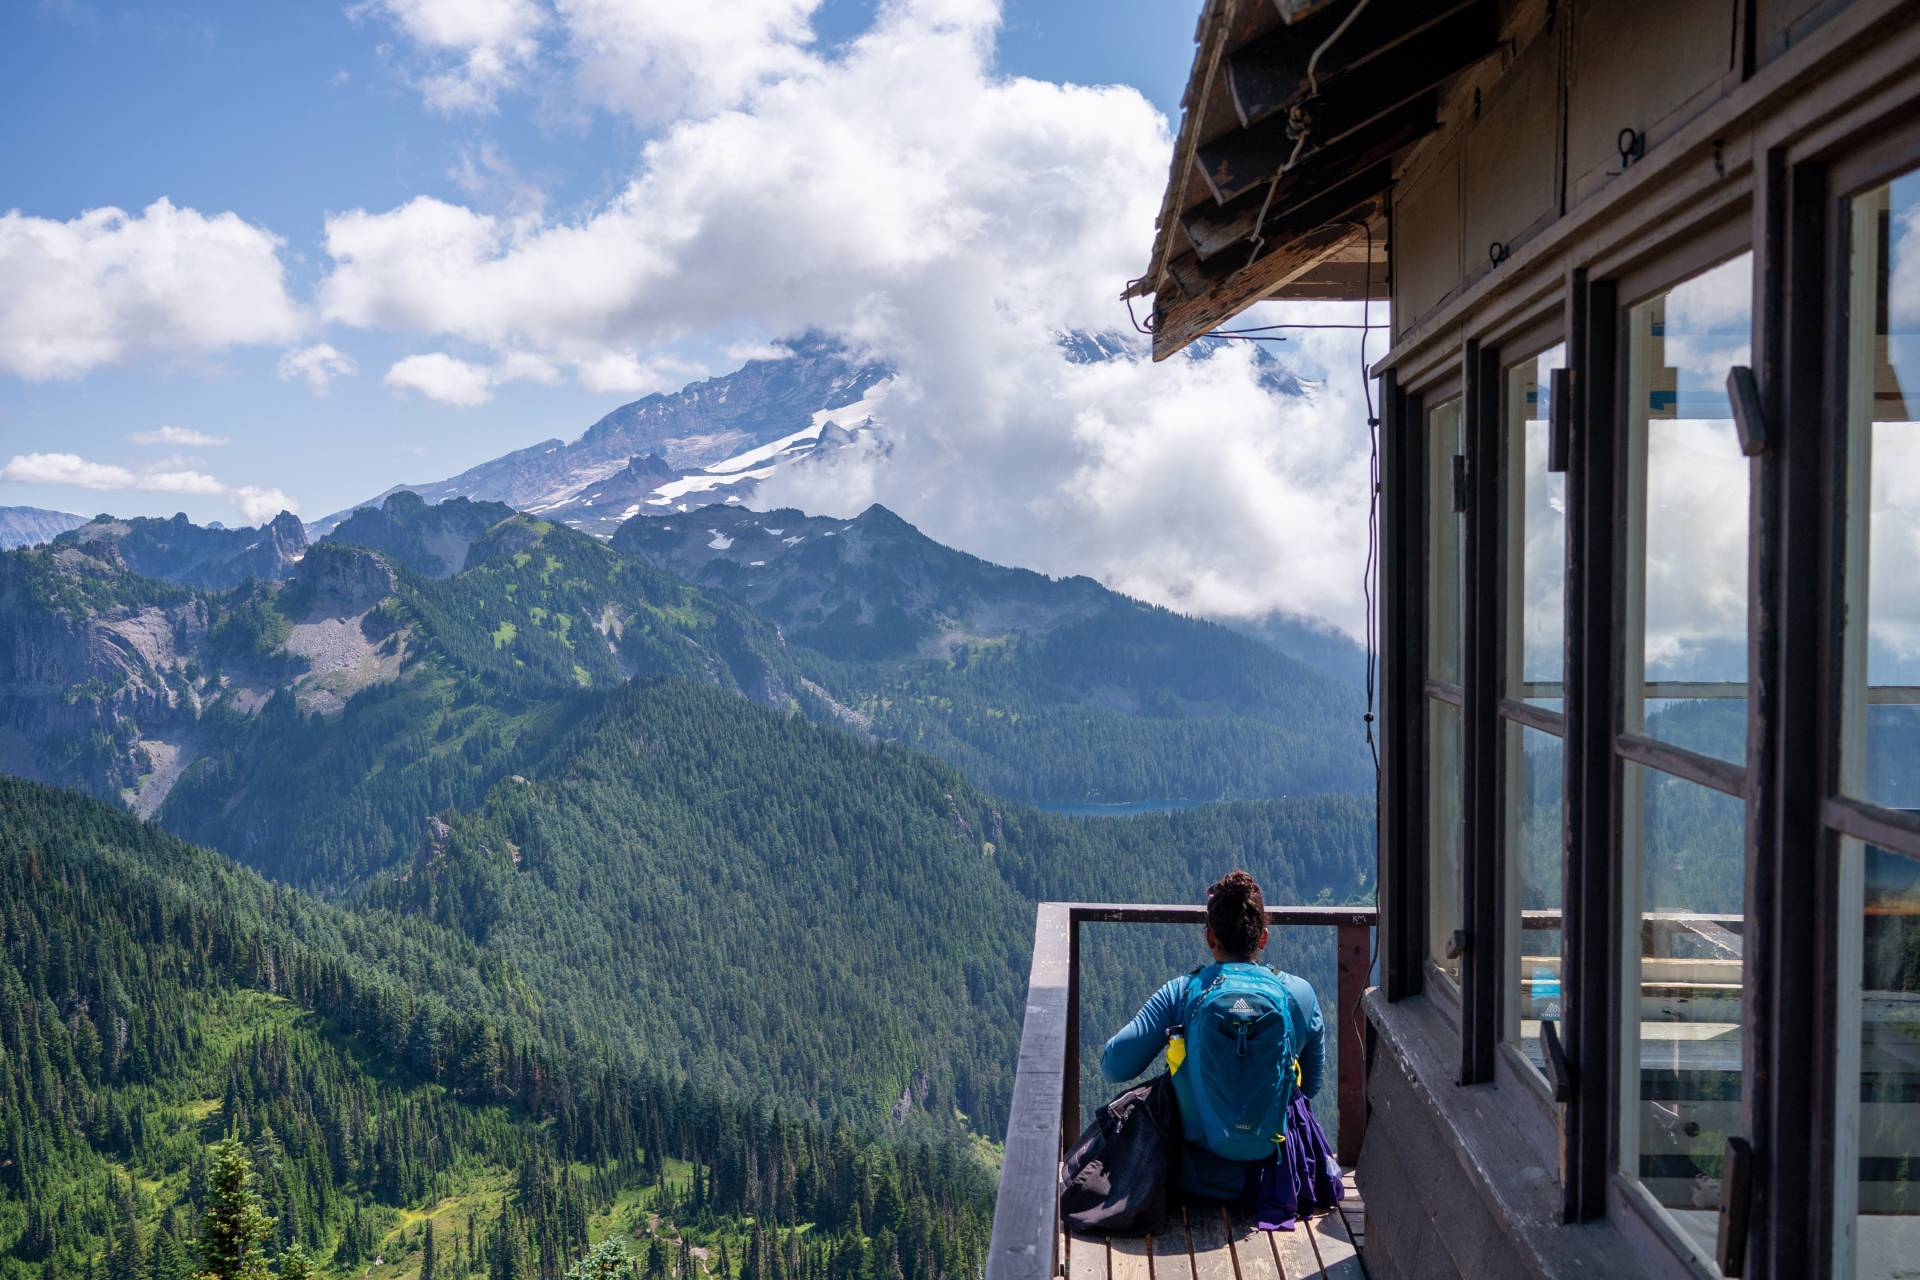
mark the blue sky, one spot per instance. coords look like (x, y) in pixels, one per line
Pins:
(286, 113)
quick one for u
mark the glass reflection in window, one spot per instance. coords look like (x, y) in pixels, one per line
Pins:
(1682, 903)
(1536, 537)
(1687, 481)
(1443, 545)
(1443, 837)
(1444, 597)
(1535, 775)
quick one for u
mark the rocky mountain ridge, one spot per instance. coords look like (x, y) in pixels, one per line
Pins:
(179, 551)
(31, 526)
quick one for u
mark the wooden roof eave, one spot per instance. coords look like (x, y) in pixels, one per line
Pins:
(1337, 242)
(1273, 165)
(1210, 41)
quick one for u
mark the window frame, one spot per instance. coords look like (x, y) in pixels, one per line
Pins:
(1406, 807)
(1514, 714)
(1825, 183)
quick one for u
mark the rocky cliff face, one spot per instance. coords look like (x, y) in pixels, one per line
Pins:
(108, 677)
(103, 697)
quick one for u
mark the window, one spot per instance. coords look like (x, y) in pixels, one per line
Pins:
(1445, 594)
(1683, 817)
(1877, 1146)
(1536, 577)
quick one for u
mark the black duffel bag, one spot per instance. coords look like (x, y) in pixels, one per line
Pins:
(1119, 1171)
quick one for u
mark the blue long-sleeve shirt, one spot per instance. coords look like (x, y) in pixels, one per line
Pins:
(1133, 1049)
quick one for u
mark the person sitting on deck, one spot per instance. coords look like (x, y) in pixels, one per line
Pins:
(1248, 1038)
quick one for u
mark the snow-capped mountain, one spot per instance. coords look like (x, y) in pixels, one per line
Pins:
(649, 486)
(715, 441)
(707, 442)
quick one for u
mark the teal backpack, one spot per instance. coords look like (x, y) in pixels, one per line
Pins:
(1239, 1073)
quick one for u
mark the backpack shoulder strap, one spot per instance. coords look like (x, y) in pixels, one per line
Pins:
(1192, 991)
(1299, 1017)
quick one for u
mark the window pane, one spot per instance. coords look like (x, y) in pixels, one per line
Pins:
(1443, 837)
(1682, 886)
(1883, 487)
(1877, 1149)
(1534, 779)
(1877, 1153)
(1687, 515)
(1443, 545)
(1536, 537)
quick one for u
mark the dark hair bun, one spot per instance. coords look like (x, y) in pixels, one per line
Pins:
(1237, 913)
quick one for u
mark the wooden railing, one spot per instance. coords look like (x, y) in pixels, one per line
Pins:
(1046, 1087)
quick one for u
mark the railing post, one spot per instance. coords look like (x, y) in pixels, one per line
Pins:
(1026, 1240)
(1070, 1073)
(1352, 963)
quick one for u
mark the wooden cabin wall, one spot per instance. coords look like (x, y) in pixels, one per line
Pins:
(1535, 132)
(1645, 67)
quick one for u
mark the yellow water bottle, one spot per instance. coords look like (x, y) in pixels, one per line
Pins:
(1176, 1049)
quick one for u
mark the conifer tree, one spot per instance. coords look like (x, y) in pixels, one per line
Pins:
(235, 1228)
(608, 1260)
(126, 1256)
(296, 1264)
(164, 1260)
(427, 1258)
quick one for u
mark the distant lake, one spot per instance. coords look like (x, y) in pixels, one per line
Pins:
(1122, 808)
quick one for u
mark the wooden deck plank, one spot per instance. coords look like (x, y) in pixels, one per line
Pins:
(1086, 1258)
(1172, 1254)
(1253, 1253)
(1294, 1251)
(1339, 1259)
(1129, 1258)
(1356, 1223)
(1212, 1256)
(1353, 1212)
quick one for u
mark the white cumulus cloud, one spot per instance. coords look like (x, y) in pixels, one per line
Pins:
(439, 376)
(73, 471)
(466, 383)
(178, 438)
(317, 365)
(109, 286)
(655, 62)
(260, 504)
(473, 49)
(67, 469)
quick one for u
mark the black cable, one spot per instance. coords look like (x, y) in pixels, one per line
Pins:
(1368, 584)
(1369, 590)
(1262, 328)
